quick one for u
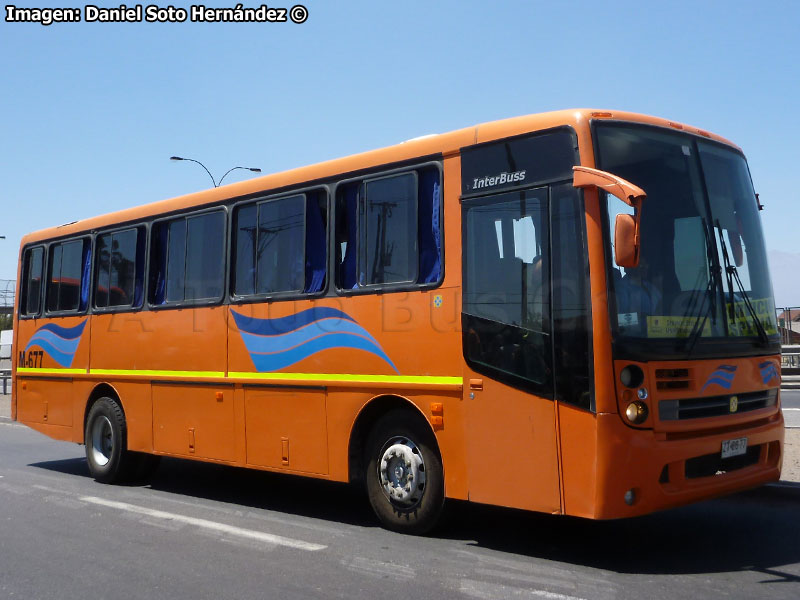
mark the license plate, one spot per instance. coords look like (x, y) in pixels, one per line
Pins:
(734, 447)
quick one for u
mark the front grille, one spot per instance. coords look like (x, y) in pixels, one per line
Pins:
(673, 379)
(714, 406)
(712, 464)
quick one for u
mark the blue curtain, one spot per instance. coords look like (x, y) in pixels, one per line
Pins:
(316, 242)
(86, 274)
(161, 265)
(349, 263)
(138, 290)
(430, 245)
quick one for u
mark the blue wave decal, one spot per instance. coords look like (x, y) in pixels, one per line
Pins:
(277, 343)
(723, 377)
(60, 343)
(768, 371)
(287, 324)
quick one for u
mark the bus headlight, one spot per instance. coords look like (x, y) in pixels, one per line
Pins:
(636, 412)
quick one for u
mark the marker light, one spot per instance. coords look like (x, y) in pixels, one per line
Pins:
(642, 393)
(636, 412)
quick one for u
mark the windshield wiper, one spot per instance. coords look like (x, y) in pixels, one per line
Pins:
(733, 275)
(699, 323)
(710, 294)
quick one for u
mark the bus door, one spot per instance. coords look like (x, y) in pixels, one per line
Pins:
(526, 339)
(508, 349)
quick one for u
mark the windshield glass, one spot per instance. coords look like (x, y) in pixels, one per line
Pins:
(702, 275)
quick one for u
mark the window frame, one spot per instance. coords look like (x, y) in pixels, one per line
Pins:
(23, 291)
(44, 310)
(402, 286)
(233, 298)
(186, 215)
(141, 229)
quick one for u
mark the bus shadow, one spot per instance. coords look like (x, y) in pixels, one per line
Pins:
(67, 466)
(301, 496)
(755, 531)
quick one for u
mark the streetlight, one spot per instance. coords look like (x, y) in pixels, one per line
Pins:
(216, 184)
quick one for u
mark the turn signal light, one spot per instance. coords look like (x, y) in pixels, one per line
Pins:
(636, 412)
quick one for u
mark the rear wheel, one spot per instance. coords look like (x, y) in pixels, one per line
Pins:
(405, 482)
(106, 439)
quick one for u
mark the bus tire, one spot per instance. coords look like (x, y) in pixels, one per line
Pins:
(106, 439)
(404, 476)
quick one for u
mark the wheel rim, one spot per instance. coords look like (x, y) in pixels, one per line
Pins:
(102, 441)
(401, 472)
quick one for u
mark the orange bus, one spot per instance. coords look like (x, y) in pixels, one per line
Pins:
(568, 312)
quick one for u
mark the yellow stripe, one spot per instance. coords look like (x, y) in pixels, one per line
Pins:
(399, 379)
(50, 371)
(148, 373)
(313, 377)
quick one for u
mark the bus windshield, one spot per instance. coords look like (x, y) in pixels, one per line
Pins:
(702, 278)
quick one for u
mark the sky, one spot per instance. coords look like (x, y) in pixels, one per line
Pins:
(91, 112)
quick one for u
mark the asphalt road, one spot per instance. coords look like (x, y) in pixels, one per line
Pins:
(204, 531)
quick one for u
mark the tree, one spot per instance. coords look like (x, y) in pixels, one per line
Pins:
(6, 322)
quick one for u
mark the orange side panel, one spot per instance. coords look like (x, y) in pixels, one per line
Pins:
(57, 432)
(194, 421)
(138, 406)
(286, 429)
(47, 401)
(170, 340)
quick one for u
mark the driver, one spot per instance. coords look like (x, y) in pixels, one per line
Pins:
(637, 292)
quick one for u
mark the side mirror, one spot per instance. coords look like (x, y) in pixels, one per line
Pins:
(626, 227)
(626, 246)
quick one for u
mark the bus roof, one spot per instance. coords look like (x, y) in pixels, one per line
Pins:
(427, 145)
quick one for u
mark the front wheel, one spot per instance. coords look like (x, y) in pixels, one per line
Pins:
(107, 442)
(405, 481)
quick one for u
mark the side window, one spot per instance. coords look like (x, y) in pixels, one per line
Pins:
(33, 261)
(506, 261)
(389, 239)
(68, 276)
(388, 230)
(119, 268)
(187, 259)
(280, 246)
(506, 309)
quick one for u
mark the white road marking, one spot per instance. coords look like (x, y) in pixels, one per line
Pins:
(790, 409)
(209, 525)
(484, 589)
(379, 568)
